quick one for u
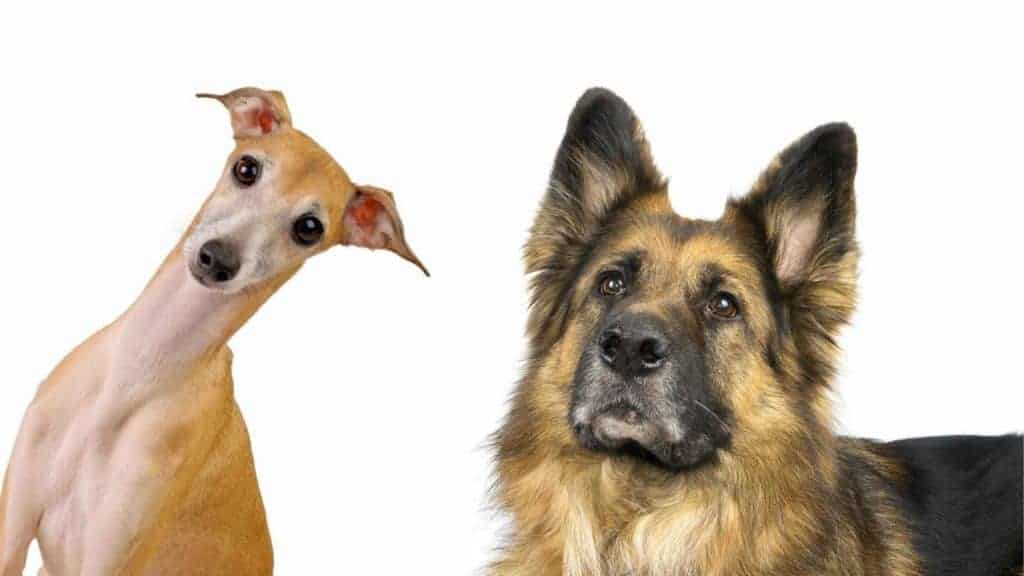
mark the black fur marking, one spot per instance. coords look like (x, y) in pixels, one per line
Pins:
(963, 496)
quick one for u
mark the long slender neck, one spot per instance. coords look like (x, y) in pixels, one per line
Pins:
(177, 324)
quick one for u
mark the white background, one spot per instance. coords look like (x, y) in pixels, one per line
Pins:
(370, 390)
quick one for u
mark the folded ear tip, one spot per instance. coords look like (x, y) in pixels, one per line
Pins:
(408, 255)
(419, 265)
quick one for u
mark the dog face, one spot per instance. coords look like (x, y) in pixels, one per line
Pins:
(672, 341)
(280, 200)
(663, 308)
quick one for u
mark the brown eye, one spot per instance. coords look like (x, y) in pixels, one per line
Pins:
(247, 171)
(612, 283)
(723, 305)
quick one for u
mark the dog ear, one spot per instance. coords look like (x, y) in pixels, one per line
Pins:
(371, 220)
(802, 212)
(803, 205)
(254, 112)
(603, 166)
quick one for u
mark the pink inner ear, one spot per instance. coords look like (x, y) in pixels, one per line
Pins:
(365, 211)
(799, 237)
(266, 120)
(367, 223)
(253, 117)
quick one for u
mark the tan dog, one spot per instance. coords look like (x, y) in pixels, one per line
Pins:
(134, 458)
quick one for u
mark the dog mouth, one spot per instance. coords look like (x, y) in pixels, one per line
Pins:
(627, 428)
(622, 427)
(622, 423)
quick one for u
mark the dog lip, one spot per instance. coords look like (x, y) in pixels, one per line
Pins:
(615, 430)
(623, 410)
(624, 427)
(610, 435)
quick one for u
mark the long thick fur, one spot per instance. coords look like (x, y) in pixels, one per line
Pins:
(786, 496)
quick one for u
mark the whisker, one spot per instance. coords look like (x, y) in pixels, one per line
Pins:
(713, 415)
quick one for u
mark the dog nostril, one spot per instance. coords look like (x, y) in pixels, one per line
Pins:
(651, 353)
(610, 342)
(217, 261)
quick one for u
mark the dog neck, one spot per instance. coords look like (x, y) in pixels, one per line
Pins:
(599, 516)
(177, 326)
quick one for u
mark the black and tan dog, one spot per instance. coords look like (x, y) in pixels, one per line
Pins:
(675, 415)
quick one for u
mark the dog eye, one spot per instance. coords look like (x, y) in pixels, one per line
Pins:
(612, 283)
(723, 305)
(247, 171)
(307, 230)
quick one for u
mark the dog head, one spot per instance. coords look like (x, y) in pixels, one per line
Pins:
(280, 200)
(671, 340)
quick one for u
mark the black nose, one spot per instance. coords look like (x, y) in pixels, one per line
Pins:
(217, 262)
(634, 347)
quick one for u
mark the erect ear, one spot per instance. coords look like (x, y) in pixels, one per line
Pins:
(371, 220)
(801, 212)
(254, 112)
(803, 205)
(602, 168)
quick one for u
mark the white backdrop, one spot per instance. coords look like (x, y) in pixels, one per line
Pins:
(370, 390)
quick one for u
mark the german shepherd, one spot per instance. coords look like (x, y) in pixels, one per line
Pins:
(674, 418)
